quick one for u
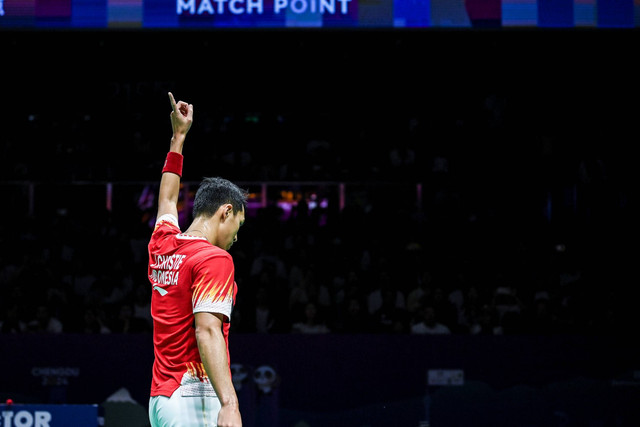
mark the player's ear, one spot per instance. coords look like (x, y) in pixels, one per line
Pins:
(225, 211)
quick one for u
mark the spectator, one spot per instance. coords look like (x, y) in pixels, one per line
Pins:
(12, 322)
(484, 320)
(430, 323)
(310, 289)
(312, 322)
(142, 303)
(126, 323)
(264, 318)
(541, 319)
(383, 285)
(445, 309)
(389, 318)
(506, 301)
(44, 321)
(354, 318)
(421, 291)
(93, 322)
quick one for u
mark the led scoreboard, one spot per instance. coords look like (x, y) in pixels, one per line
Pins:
(170, 14)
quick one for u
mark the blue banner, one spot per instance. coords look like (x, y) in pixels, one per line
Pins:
(215, 14)
(18, 415)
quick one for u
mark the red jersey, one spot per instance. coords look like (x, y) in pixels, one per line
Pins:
(188, 275)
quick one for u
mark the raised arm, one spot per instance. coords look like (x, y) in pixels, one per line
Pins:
(181, 120)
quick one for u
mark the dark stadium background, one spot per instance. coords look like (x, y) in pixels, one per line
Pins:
(96, 88)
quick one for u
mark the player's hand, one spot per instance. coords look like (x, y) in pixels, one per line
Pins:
(181, 116)
(229, 417)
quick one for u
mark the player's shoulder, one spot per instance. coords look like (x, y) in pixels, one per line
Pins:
(211, 251)
(167, 224)
(206, 258)
(207, 253)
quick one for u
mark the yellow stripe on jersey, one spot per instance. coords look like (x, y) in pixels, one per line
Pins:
(212, 292)
(196, 370)
(202, 373)
(191, 369)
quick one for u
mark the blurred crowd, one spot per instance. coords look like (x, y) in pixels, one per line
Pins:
(513, 232)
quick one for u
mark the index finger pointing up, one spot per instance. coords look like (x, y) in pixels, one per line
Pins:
(173, 102)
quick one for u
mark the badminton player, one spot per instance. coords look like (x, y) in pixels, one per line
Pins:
(193, 293)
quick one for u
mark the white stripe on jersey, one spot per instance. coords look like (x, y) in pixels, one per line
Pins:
(169, 218)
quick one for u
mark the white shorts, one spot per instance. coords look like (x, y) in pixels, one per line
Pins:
(179, 411)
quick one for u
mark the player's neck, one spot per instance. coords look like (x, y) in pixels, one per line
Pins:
(199, 228)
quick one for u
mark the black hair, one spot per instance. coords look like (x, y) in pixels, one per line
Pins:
(215, 192)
